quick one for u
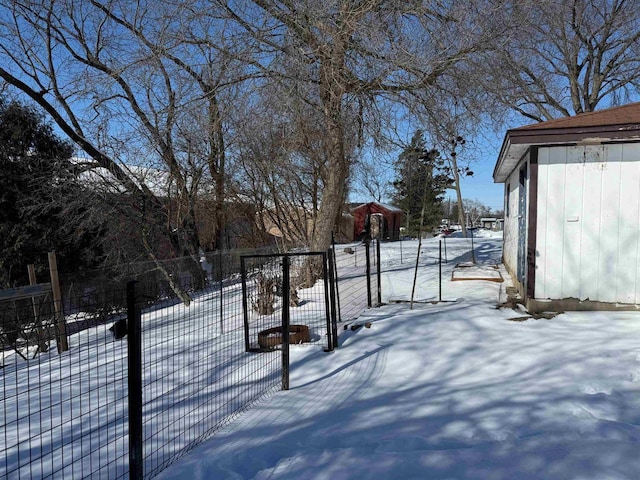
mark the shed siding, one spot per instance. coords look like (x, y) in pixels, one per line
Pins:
(628, 224)
(510, 232)
(590, 236)
(542, 220)
(587, 242)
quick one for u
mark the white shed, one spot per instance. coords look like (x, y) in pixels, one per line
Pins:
(572, 210)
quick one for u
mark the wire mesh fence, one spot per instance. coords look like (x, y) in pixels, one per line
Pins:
(196, 374)
(69, 414)
(358, 282)
(63, 415)
(304, 292)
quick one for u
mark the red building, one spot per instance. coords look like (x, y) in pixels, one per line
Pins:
(385, 220)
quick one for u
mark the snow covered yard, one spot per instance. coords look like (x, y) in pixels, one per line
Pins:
(446, 390)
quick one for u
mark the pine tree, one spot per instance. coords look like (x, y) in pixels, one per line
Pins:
(421, 179)
(35, 173)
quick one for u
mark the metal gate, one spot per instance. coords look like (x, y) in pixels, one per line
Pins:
(291, 292)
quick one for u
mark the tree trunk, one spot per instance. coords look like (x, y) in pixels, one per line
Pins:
(332, 91)
(175, 287)
(216, 163)
(456, 186)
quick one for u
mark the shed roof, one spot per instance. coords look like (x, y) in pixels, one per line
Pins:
(383, 206)
(610, 125)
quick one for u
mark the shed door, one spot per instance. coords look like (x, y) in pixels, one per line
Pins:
(522, 224)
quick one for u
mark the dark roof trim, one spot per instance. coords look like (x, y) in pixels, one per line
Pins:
(620, 115)
(575, 134)
(517, 141)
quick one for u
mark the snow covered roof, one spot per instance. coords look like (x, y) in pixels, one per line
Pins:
(158, 181)
(384, 206)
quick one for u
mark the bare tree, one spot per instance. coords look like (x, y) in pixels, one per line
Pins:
(129, 85)
(284, 166)
(344, 54)
(155, 81)
(565, 57)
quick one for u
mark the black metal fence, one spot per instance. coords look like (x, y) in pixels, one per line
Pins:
(358, 278)
(196, 374)
(62, 415)
(296, 282)
(146, 377)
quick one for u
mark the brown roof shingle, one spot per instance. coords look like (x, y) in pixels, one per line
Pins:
(622, 115)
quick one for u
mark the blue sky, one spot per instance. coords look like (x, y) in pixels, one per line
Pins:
(480, 154)
(481, 186)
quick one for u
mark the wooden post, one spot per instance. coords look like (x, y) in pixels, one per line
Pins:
(43, 344)
(61, 330)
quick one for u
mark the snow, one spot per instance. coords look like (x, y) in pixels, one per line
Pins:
(446, 390)
(452, 389)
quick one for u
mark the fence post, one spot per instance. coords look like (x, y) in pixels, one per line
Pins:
(61, 326)
(335, 276)
(329, 292)
(134, 363)
(43, 337)
(440, 271)
(378, 272)
(367, 244)
(245, 305)
(473, 253)
(221, 272)
(286, 295)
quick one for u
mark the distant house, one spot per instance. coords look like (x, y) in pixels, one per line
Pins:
(572, 210)
(491, 223)
(296, 225)
(385, 220)
(240, 230)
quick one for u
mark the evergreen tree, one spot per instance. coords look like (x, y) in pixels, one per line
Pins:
(36, 173)
(421, 179)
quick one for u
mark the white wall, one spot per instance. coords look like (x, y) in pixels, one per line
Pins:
(588, 239)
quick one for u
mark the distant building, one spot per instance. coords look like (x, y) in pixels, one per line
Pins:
(384, 220)
(491, 223)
